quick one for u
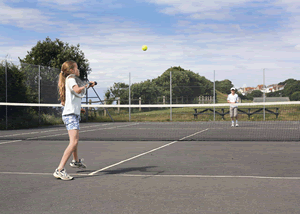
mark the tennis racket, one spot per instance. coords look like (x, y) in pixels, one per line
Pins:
(80, 83)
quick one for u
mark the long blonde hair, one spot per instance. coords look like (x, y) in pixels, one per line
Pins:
(65, 71)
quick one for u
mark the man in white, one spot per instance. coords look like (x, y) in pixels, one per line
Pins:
(233, 99)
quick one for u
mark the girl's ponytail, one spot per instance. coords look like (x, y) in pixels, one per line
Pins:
(65, 71)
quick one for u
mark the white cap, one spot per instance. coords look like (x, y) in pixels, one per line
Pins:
(233, 88)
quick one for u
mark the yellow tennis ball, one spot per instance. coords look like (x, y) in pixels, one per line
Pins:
(144, 48)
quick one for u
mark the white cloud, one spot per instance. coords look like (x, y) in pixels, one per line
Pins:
(297, 47)
(78, 5)
(24, 18)
(64, 2)
(201, 9)
(237, 51)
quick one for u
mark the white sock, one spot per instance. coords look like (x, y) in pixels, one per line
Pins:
(232, 121)
(236, 121)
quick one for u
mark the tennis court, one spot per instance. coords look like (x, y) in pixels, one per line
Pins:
(155, 167)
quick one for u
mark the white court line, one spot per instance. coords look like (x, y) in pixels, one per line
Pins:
(194, 134)
(28, 133)
(10, 142)
(145, 153)
(158, 128)
(67, 133)
(81, 131)
(163, 176)
(25, 173)
(259, 127)
(35, 173)
(210, 176)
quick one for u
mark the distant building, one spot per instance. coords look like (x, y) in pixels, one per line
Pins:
(268, 89)
(274, 87)
(259, 87)
(246, 90)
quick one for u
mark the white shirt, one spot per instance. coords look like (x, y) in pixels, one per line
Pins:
(233, 98)
(72, 102)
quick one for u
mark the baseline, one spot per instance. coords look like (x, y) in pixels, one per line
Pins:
(162, 176)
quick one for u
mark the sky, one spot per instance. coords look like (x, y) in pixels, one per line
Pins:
(235, 38)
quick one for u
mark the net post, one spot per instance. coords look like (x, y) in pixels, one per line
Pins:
(170, 95)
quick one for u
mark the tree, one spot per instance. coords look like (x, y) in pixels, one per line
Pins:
(17, 90)
(224, 86)
(50, 53)
(295, 96)
(148, 91)
(255, 93)
(119, 89)
(185, 83)
(287, 82)
(289, 89)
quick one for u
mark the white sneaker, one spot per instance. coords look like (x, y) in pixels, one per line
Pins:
(63, 175)
(79, 164)
(232, 125)
(237, 125)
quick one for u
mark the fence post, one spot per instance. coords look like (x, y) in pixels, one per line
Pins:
(164, 100)
(39, 93)
(104, 108)
(119, 102)
(140, 103)
(86, 102)
(6, 92)
(170, 95)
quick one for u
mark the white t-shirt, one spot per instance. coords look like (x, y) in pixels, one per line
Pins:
(72, 102)
(233, 98)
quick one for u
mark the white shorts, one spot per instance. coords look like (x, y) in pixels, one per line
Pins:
(71, 121)
(233, 112)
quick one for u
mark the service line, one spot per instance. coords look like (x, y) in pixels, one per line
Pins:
(153, 150)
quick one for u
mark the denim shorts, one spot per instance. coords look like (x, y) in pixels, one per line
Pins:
(71, 121)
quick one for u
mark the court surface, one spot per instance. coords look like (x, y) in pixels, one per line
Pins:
(153, 168)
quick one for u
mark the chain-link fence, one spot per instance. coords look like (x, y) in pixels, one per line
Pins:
(26, 83)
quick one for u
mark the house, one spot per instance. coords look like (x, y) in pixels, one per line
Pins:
(268, 89)
(274, 87)
(246, 90)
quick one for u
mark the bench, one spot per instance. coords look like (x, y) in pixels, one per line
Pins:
(249, 111)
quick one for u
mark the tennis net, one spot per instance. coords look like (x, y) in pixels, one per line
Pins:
(199, 122)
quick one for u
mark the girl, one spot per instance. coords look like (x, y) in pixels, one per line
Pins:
(70, 116)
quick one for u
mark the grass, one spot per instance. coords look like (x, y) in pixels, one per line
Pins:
(286, 113)
(221, 98)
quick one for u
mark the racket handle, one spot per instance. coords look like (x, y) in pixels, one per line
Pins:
(92, 83)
